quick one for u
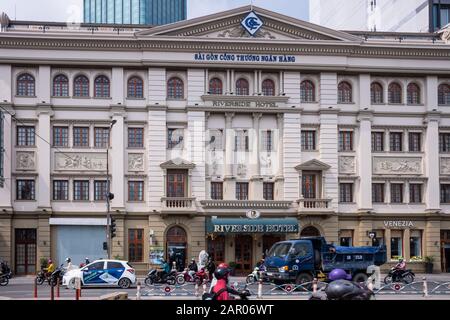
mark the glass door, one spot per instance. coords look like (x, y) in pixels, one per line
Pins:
(25, 249)
(243, 254)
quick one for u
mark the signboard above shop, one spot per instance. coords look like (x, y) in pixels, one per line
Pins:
(234, 226)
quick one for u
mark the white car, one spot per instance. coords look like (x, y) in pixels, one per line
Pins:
(102, 273)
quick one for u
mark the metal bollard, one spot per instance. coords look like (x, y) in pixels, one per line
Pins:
(35, 289)
(314, 286)
(204, 286)
(77, 288)
(57, 288)
(138, 293)
(52, 292)
(260, 288)
(196, 290)
(425, 287)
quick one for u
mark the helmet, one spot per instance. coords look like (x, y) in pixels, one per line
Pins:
(68, 260)
(221, 273)
(400, 260)
(223, 265)
(337, 274)
(193, 259)
(49, 261)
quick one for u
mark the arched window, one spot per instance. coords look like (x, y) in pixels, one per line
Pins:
(60, 86)
(395, 93)
(135, 88)
(376, 92)
(81, 86)
(101, 89)
(175, 88)
(242, 87)
(413, 93)
(444, 94)
(307, 91)
(310, 231)
(25, 85)
(268, 87)
(215, 86)
(344, 92)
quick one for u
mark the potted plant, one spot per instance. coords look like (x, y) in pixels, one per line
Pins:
(232, 266)
(429, 264)
(43, 261)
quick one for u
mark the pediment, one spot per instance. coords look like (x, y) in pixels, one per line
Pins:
(227, 24)
(313, 165)
(177, 163)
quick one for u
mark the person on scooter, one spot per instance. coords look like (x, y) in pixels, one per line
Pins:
(193, 268)
(69, 265)
(165, 269)
(50, 268)
(221, 287)
(210, 266)
(399, 268)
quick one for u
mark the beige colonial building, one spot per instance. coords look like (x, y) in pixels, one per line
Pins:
(220, 140)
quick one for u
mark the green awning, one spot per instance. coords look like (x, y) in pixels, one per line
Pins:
(234, 226)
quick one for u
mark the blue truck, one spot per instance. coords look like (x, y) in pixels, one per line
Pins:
(300, 261)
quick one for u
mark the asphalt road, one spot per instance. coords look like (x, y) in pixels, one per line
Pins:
(23, 288)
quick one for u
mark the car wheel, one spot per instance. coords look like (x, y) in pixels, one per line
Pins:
(71, 284)
(304, 278)
(408, 278)
(388, 280)
(360, 277)
(124, 283)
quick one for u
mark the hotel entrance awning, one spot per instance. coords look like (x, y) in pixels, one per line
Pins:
(236, 226)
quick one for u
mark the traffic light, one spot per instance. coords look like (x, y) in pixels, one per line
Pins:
(113, 227)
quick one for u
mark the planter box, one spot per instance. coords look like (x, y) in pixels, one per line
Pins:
(429, 267)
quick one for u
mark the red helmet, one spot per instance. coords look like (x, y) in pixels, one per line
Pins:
(223, 266)
(49, 260)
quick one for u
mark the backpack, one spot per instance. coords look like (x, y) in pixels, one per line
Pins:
(212, 295)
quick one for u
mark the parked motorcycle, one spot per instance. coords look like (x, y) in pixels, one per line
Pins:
(344, 290)
(5, 269)
(198, 278)
(57, 274)
(153, 277)
(256, 275)
(395, 275)
(42, 276)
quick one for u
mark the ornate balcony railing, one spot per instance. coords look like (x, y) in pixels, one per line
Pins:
(246, 204)
(178, 204)
(314, 205)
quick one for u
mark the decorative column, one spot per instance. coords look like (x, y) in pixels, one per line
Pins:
(431, 145)
(229, 183)
(256, 192)
(44, 113)
(227, 83)
(255, 83)
(279, 178)
(364, 193)
(117, 158)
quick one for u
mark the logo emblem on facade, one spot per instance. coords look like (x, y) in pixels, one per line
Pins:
(253, 214)
(252, 23)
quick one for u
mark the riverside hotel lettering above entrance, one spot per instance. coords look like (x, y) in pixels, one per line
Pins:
(244, 104)
(260, 228)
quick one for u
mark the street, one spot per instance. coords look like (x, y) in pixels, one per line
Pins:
(21, 288)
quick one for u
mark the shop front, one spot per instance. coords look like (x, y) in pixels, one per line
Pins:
(242, 242)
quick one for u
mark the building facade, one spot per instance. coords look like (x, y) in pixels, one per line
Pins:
(381, 15)
(222, 141)
(150, 12)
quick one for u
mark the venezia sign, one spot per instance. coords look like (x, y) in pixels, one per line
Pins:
(228, 57)
(398, 224)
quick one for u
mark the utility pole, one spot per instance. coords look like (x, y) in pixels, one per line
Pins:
(109, 195)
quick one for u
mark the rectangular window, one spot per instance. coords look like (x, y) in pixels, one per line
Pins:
(267, 141)
(445, 193)
(101, 137)
(175, 138)
(25, 136)
(309, 186)
(379, 238)
(60, 190)
(25, 190)
(100, 190)
(81, 190)
(216, 190)
(135, 190)
(415, 193)
(176, 183)
(135, 245)
(308, 140)
(444, 142)
(396, 244)
(60, 136)
(346, 238)
(415, 245)
(396, 192)
(378, 192)
(80, 136)
(346, 192)
(377, 141)
(241, 142)
(268, 190)
(415, 142)
(135, 137)
(345, 141)
(241, 190)
(396, 141)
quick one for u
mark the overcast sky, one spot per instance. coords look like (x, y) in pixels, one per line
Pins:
(72, 10)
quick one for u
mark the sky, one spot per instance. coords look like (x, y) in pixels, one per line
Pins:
(72, 10)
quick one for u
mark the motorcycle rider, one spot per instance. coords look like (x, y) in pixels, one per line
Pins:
(221, 274)
(164, 270)
(399, 268)
(50, 268)
(69, 264)
(210, 265)
(193, 268)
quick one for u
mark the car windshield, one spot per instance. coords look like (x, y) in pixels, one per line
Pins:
(280, 250)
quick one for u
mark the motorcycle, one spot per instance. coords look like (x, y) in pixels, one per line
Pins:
(5, 270)
(153, 277)
(344, 290)
(42, 276)
(396, 275)
(57, 274)
(256, 275)
(198, 278)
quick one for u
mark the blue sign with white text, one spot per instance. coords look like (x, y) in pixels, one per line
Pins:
(252, 23)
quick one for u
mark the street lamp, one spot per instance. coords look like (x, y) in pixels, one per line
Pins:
(109, 195)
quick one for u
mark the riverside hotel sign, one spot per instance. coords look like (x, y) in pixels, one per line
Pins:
(227, 57)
